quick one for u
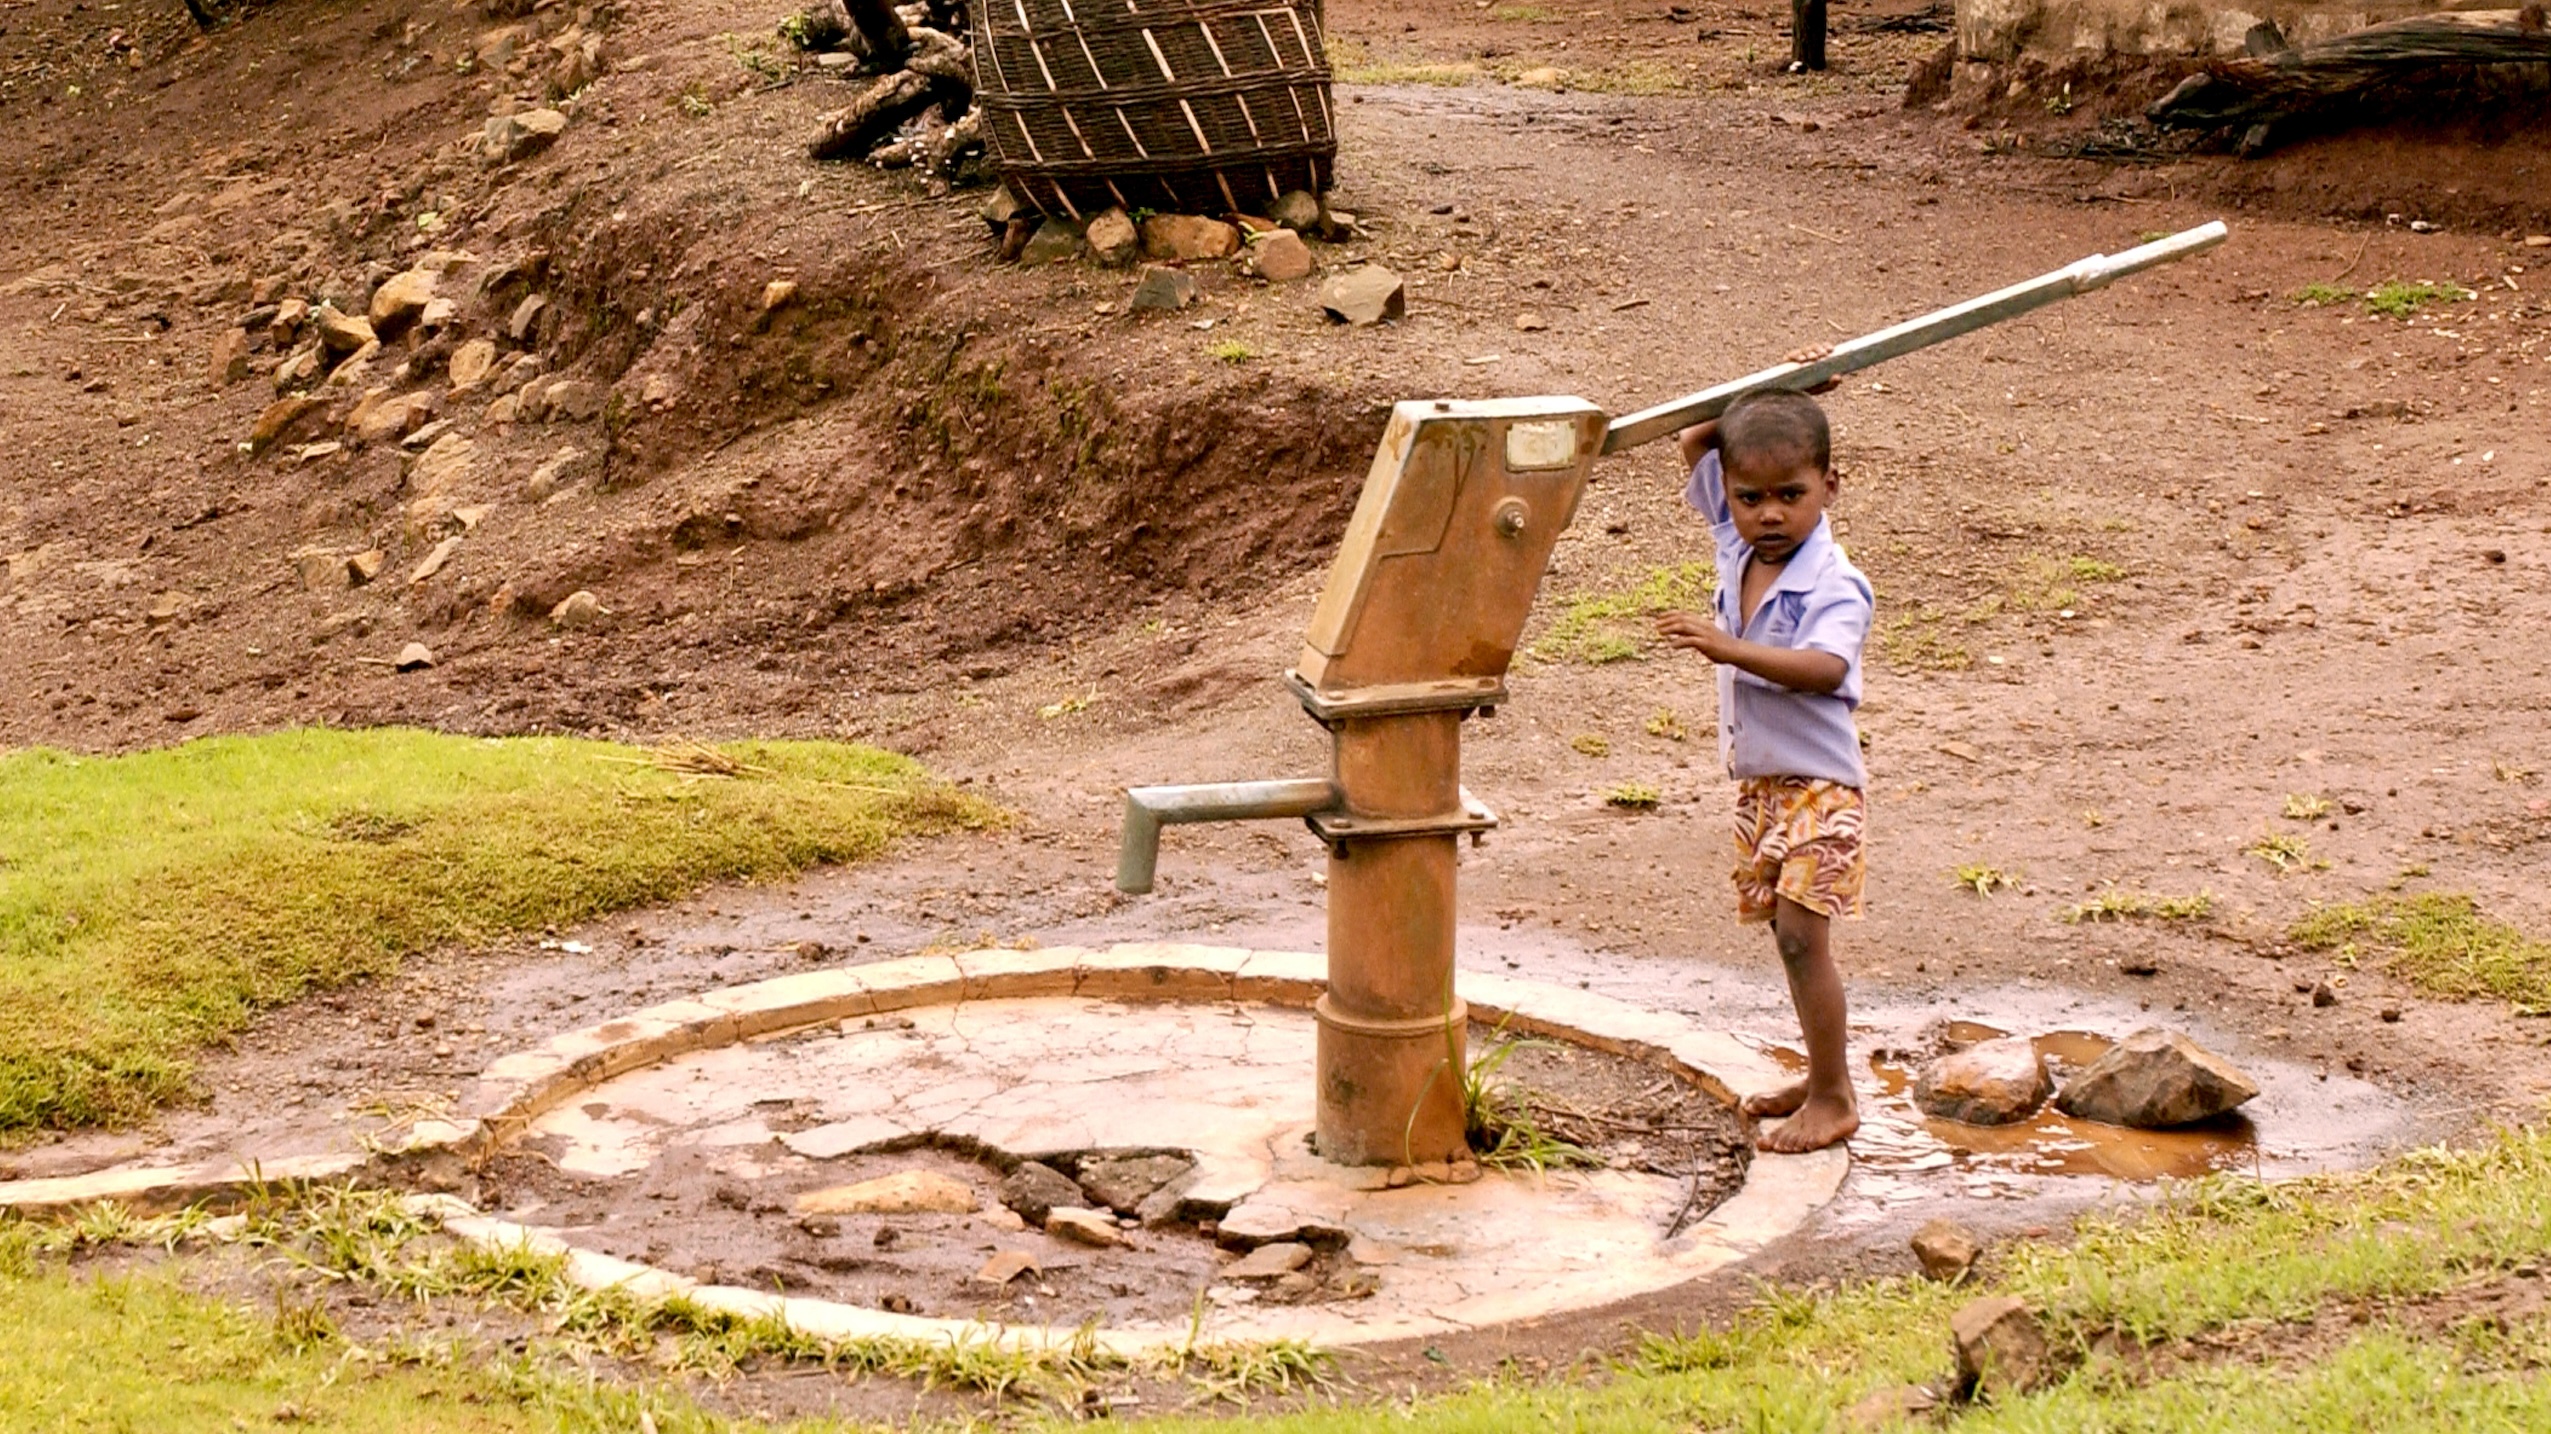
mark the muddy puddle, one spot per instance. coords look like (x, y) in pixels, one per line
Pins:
(2299, 1122)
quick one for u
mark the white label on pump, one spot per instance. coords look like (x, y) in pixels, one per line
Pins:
(1549, 443)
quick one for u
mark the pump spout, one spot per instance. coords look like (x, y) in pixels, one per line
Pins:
(1148, 809)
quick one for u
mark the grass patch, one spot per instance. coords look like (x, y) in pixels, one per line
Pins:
(1230, 351)
(1918, 642)
(2403, 298)
(1590, 744)
(2141, 906)
(1632, 796)
(1612, 624)
(2439, 942)
(1663, 723)
(97, 1360)
(2039, 583)
(152, 903)
(2306, 806)
(2319, 295)
(1352, 62)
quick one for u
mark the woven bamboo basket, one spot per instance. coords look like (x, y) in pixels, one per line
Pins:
(1183, 106)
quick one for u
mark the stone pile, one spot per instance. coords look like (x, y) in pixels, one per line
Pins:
(1275, 248)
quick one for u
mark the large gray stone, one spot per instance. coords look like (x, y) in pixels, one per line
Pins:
(2155, 1078)
(1122, 1183)
(1054, 241)
(1297, 210)
(1990, 1083)
(1164, 289)
(1033, 1189)
(1366, 296)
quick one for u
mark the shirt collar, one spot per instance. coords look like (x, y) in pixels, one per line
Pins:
(1806, 566)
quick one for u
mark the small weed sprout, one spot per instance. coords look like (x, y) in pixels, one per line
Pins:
(1663, 723)
(2317, 295)
(1590, 744)
(2282, 850)
(694, 101)
(1985, 880)
(1499, 1119)
(2306, 806)
(1230, 351)
(2140, 906)
(1632, 796)
(2094, 818)
(1079, 702)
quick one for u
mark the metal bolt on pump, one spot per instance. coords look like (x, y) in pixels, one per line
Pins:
(1413, 634)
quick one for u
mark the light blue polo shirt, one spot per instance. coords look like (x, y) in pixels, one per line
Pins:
(1818, 601)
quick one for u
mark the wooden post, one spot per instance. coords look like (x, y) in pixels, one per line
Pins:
(1806, 35)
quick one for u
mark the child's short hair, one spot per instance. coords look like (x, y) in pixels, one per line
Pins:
(1776, 424)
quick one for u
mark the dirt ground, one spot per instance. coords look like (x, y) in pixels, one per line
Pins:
(2148, 563)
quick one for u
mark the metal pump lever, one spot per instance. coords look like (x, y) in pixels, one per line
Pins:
(2080, 277)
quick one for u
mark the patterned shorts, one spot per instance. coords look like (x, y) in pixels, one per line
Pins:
(1798, 837)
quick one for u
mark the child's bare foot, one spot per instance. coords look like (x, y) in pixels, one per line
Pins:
(1782, 1101)
(1820, 1121)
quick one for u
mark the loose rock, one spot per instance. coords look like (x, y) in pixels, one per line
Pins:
(280, 418)
(508, 139)
(553, 475)
(230, 357)
(1033, 1189)
(2000, 1348)
(1530, 321)
(1268, 1262)
(364, 566)
(1164, 289)
(400, 302)
(574, 400)
(1121, 1184)
(321, 572)
(415, 657)
(470, 364)
(436, 560)
(906, 1192)
(777, 293)
(342, 333)
(2324, 994)
(1945, 1249)
(1187, 237)
(1297, 210)
(1887, 1408)
(578, 609)
(1086, 1227)
(1112, 240)
(525, 319)
(1991, 1083)
(1279, 256)
(1005, 1266)
(1054, 241)
(1364, 297)
(2155, 1078)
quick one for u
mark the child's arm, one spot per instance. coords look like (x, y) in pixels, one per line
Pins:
(1800, 669)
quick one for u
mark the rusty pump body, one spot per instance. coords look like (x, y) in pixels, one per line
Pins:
(1414, 633)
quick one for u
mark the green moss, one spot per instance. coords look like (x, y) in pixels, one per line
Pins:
(152, 903)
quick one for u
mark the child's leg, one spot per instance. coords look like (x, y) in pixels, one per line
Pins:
(1821, 1109)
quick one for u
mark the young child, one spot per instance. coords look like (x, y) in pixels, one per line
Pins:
(1792, 614)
